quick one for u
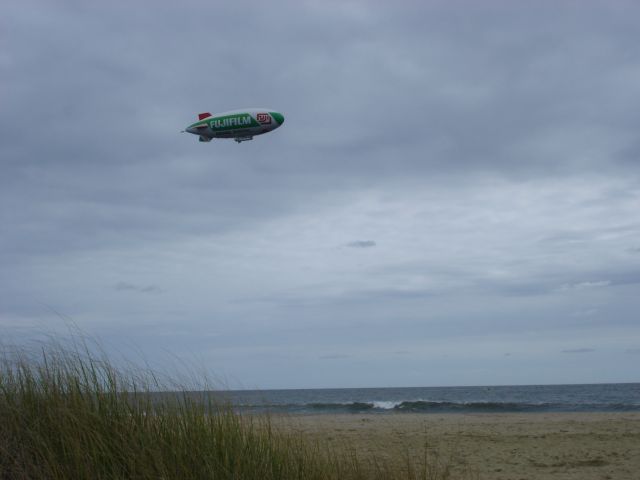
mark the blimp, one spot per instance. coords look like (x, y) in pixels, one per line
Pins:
(241, 125)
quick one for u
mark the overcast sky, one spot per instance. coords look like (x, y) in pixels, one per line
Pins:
(453, 199)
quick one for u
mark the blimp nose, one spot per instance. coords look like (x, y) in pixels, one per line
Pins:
(278, 118)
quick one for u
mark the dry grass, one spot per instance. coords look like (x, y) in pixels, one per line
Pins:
(68, 413)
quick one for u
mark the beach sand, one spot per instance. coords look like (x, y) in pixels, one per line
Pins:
(576, 446)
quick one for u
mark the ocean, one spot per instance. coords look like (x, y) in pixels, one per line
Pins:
(618, 397)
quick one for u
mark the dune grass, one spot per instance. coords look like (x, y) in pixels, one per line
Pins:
(68, 413)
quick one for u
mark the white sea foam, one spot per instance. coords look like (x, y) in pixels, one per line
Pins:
(385, 405)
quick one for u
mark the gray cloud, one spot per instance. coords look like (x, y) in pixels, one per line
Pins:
(579, 350)
(586, 285)
(362, 244)
(494, 164)
(124, 286)
(337, 356)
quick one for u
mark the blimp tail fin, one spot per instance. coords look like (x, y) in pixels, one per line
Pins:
(202, 116)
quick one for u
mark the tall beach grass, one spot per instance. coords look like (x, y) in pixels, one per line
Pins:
(67, 412)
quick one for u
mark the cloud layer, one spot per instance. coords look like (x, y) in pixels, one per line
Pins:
(478, 162)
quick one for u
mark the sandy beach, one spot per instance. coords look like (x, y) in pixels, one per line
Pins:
(576, 446)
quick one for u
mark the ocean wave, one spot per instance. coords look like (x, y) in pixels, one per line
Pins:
(430, 406)
(357, 406)
(386, 405)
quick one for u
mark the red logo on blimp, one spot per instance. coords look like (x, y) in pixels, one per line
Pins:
(263, 118)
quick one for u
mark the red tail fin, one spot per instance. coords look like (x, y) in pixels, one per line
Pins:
(202, 116)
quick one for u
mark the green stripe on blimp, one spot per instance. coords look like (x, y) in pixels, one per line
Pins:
(278, 116)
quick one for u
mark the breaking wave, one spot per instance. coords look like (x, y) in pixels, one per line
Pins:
(427, 406)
